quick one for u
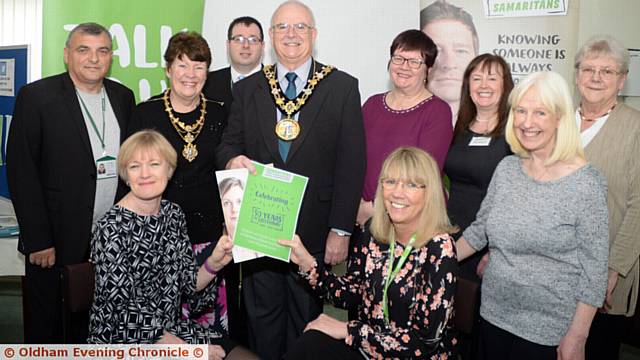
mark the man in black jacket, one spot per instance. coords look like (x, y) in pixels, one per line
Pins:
(305, 117)
(245, 47)
(64, 128)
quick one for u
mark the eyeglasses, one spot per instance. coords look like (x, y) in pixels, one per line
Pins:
(604, 73)
(299, 28)
(251, 40)
(390, 184)
(400, 60)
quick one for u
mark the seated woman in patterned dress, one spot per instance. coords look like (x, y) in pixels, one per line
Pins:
(144, 262)
(404, 276)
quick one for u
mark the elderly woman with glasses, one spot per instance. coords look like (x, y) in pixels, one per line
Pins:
(610, 134)
(544, 219)
(402, 278)
(407, 115)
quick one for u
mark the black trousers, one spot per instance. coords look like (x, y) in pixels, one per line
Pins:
(605, 336)
(42, 322)
(316, 345)
(236, 311)
(279, 306)
(498, 344)
(43, 319)
(469, 345)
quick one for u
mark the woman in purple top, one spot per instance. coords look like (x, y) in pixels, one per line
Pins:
(408, 115)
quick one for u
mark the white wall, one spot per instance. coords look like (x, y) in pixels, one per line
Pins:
(20, 24)
(353, 35)
(618, 18)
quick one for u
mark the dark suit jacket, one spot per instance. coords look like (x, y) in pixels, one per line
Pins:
(330, 149)
(218, 86)
(50, 167)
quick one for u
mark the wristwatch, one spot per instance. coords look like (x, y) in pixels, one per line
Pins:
(340, 232)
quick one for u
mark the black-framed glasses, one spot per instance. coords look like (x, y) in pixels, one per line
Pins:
(251, 40)
(299, 28)
(390, 184)
(400, 60)
(603, 73)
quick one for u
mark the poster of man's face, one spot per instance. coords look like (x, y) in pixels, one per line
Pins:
(528, 42)
(451, 28)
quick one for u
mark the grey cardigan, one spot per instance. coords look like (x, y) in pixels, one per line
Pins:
(615, 152)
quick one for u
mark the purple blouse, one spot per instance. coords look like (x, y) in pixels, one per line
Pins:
(426, 126)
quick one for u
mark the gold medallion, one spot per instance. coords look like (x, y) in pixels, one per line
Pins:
(188, 133)
(287, 129)
(190, 151)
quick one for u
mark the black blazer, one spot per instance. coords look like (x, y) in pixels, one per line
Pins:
(218, 87)
(330, 149)
(50, 166)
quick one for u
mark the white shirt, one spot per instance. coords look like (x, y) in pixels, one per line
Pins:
(105, 188)
(588, 135)
(237, 76)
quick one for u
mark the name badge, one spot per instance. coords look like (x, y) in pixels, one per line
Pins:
(106, 167)
(480, 141)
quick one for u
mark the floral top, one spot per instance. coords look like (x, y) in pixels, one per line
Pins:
(144, 267)
(420, 299)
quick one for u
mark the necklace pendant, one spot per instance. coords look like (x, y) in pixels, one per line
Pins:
(190, 152)
(189, 138)
(287, 129)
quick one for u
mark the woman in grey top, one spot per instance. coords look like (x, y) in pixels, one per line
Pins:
(544, 219)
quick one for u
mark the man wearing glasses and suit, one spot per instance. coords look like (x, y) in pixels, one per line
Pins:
(245, 47)
(304, 117)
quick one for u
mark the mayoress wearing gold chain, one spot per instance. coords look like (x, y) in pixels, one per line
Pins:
(193, 125)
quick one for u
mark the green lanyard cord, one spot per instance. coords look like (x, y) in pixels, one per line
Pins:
(391, 274)
(93, 123)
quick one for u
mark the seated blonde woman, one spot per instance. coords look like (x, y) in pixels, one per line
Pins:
(144, 262)
(404, 274)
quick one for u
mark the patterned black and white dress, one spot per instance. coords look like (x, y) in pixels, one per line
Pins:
(145, 269)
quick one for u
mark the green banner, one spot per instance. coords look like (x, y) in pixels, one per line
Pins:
(269, 211)
(140, 29)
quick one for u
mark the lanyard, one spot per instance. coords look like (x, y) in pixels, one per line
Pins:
(93, 123)
(391, 274)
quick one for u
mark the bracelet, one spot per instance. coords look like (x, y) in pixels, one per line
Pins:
(209, 269)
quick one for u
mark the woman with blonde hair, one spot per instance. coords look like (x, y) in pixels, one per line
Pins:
(145, 266)
(544, 219)
(403, 276)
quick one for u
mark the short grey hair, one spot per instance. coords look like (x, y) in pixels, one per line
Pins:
(298, 3)
(604, 46)
(89, 28)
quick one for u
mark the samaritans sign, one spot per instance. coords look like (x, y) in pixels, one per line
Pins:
(521, 8)
(140, 29)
